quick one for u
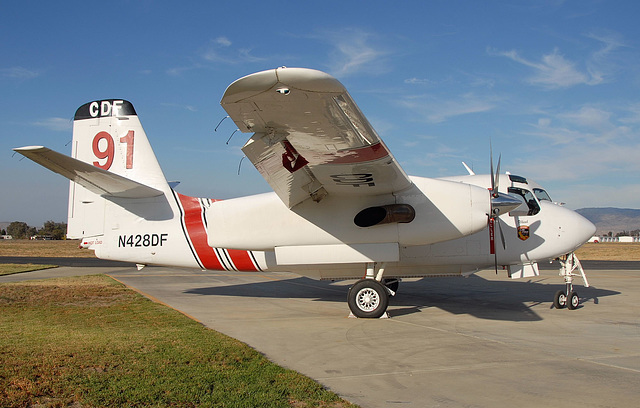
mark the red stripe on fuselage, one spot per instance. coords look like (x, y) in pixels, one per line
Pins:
(242, 260)
(197, 231)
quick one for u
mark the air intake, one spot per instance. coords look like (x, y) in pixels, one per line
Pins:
(385, 214)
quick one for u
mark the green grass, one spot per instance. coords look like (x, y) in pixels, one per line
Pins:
(10, 269)
(91, 342)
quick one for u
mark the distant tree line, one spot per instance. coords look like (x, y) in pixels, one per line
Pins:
(51, 230)
(634, 233)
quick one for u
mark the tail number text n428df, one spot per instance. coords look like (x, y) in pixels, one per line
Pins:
(142, 240)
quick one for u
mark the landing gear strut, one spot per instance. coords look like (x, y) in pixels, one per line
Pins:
(569, 298)
(369, 297)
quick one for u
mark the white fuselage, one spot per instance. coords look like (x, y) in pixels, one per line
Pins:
(449, 235)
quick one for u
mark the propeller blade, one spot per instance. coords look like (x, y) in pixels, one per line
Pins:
(493, 180)
(497, 178)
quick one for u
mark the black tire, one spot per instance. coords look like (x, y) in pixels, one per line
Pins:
(573, 301)
(368, 298)
(560, 300)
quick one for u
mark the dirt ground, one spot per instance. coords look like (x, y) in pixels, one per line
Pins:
(26, 247)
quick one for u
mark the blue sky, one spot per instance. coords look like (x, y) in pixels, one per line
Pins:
(553, 84)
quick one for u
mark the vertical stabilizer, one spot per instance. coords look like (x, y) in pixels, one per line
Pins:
(108, 134)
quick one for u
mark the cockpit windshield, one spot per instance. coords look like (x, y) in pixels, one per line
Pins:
(541, 194)
(529, 199)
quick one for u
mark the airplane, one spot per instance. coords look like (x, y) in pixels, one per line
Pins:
(341, 208)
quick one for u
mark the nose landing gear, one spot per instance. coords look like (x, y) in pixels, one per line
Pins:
(569, 298)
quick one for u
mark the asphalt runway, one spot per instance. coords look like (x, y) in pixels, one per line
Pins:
(482, 341)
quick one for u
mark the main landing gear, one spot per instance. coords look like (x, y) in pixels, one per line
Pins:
(369, 297)
(569, 298)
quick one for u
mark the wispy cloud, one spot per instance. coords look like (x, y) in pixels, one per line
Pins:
(190, 108)
(223, 41)
(177, 71)
(554, 70)
(583, 144)
(221, 49)
(354, 50)
(435, 110)
(589, 117)
(599, 64)
(427, 82)
(54, 124)
(419, 81)
(583, 161)
(18, 73)
(588, 125)
(464, 79)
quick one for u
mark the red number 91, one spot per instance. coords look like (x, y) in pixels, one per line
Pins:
(107, 153)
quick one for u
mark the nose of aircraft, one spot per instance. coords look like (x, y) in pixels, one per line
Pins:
(576, 229)
(561, 231)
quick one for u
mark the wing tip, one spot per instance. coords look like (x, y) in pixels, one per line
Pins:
(30, 149)
(305, 79)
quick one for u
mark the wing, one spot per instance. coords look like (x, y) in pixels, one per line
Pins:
(310, 139)
(92, 178)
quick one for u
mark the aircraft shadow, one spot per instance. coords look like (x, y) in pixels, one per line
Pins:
(476, 296)
(486, 299)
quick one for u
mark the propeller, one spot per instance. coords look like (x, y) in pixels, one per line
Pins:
(501, 203)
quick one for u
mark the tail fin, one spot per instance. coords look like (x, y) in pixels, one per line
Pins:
(104, 135)
(111, 158)
(108, 135)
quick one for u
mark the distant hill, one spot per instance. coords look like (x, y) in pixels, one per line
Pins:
(612, 219)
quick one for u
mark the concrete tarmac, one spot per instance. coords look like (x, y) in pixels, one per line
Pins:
(482, 341)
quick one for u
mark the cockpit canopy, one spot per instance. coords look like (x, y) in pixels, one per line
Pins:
(530, 192)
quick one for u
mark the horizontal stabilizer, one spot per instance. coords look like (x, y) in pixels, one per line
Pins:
(94, 179)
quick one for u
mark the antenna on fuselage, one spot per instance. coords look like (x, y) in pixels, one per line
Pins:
(471, 173)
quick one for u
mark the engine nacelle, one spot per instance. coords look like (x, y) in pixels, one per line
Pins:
(442, 210)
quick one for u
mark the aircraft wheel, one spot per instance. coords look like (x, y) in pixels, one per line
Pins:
(560, 300)
(573, 301)
(368, 298)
